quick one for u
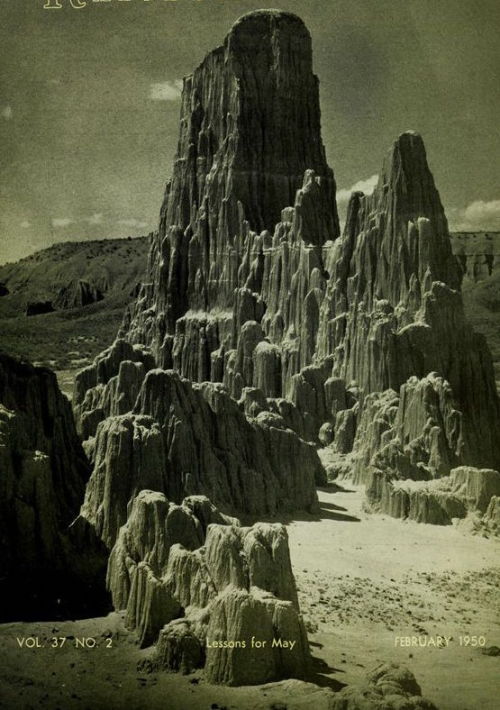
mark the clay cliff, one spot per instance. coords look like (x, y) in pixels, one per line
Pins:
(228, 303)
(478, 254)
(52, 563)
(148, 427)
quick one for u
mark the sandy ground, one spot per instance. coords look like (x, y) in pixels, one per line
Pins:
(364, 582)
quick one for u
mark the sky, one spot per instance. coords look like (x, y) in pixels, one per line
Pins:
(90, 100)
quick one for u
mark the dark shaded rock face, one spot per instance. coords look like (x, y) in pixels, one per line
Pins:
(52, 564)
(478, 254)
(4, 291)
(35, 308)
(77, 294)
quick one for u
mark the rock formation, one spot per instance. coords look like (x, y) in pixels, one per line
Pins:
(249, 147)
(195, 580)
(77, 294)
(226, 304)
(393, 312)
(436, 501)
(181, 438)
(491, 518)
(358, 342)
(51, 562)
(387, 687)
(478, 254)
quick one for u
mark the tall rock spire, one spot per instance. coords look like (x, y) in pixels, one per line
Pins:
(249, 129)
(393, 310)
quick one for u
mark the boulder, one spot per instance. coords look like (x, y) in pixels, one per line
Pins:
(387, 687)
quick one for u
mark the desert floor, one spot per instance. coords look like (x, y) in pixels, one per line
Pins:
(363, 581)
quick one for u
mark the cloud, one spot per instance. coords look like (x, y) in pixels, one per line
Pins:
(60, 222)
(476, 217)
(25, 224)
(134, 223)
(7, 113)
(95, 219)
(166, 90)
(365, 186)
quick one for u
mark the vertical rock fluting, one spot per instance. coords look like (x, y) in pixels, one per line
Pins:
(249, 147)
(465, 490)
(183, 438)
(51, 562)
(204, 586)
(393, 311)
(249, 132)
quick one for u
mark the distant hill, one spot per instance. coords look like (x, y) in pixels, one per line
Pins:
(479, 256)
(108, 266)
(87, 286)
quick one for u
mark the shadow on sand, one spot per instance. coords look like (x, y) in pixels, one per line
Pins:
(319, 675)
(327, 511)
(334, 487)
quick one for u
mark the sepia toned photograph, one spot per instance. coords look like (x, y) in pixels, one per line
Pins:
(249, 355)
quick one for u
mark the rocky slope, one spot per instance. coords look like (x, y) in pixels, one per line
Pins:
(73, 274)
(75, 294)
(52, 564)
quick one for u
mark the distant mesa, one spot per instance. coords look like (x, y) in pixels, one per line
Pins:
(74, 274)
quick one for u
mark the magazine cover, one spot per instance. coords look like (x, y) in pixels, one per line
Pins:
(249, 355)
